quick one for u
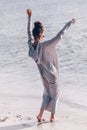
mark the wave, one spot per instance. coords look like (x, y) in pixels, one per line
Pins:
(73, 104)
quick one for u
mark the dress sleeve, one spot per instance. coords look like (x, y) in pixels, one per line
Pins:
(59, 35)
(29, 32)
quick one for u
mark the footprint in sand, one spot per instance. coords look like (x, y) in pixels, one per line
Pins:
(3, 119)
(20, 117)
(17, 117)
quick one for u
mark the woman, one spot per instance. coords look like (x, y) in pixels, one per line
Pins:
(44, 55)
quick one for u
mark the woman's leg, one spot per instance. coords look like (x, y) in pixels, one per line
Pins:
(53, 89)
(45, 100)
(52, 118)
(39, 117)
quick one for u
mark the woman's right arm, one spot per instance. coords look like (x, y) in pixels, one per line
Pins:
(55, 40)
(29, 12)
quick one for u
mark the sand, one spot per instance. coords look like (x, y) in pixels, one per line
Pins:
(22, 116)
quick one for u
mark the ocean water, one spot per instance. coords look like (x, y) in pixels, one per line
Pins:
(19, 75)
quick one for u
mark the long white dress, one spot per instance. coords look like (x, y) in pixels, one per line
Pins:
(46, 59)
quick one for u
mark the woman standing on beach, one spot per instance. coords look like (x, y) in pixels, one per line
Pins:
(44, 54)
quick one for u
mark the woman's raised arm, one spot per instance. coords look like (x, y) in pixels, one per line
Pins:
(55, 40)
(29, 13)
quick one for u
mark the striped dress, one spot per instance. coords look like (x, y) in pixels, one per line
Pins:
(46, 59)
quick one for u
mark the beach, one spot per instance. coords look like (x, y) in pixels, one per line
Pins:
(21, 88)
(23, 116)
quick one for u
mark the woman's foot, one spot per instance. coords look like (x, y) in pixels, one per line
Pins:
(52, 118)
(39, 118)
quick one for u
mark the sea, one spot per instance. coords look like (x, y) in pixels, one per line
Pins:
(19, 75)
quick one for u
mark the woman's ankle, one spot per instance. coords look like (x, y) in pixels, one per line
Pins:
(39, 118)
(52, 118)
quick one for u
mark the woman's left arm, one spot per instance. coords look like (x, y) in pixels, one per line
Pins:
(55, 40)
(29, 13)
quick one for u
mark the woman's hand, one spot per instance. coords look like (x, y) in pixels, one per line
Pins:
(29, 12)
(73, 21)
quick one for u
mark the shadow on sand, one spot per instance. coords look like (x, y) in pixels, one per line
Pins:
(17, 126)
